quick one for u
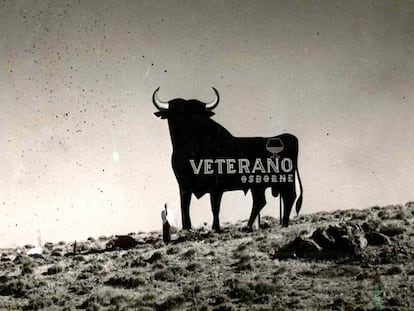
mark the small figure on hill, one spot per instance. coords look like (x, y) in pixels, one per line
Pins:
(166, 226)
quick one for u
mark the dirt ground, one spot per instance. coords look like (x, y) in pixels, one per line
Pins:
(342, 260)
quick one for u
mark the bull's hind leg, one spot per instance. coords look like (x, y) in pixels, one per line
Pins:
(288, 198)
(259, 201)
(185, 197)
(215, 199)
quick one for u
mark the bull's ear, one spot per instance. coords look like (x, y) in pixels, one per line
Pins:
(210, 113)
(161, 114)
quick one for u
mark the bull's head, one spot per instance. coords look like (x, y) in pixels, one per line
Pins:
(181, 106)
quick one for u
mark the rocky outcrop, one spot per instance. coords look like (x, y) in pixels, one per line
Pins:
(333, 242)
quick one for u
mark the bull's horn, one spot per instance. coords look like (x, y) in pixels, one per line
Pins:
(159, 104)
(214, 103)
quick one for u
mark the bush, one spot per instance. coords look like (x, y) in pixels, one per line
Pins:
(53, 270)
(165, 275)
(194, 267)
(13, 287)
(189, 254)
(173, 250)
(171, 303)
(125, 281)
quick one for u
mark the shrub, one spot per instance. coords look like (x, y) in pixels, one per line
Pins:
(53, 270)
(165, 275)
(173, 250)
(194, 267)
(12, 287)
(224, 307)
(125, 281)
(171, 303)
(189, 254)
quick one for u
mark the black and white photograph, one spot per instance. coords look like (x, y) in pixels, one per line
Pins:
(207, 155)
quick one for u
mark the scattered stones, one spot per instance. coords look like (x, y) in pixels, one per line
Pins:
(193, 274)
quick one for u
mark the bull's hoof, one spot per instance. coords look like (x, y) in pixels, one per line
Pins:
(217, 230)
(247, 229)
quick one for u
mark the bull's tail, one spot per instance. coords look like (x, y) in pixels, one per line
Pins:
(300, 198)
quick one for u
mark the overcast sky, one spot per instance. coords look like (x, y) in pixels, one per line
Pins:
(83, 155)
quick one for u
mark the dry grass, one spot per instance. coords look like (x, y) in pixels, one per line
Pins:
(235, 270)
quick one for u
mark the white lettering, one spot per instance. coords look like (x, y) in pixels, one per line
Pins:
(196, 169)
(220, 163)
(272, 165)
(258, 166)
(244, 166)
(230, 166)
(287, 165)
(207, 166)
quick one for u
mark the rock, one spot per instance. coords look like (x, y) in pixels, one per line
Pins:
(306, 248)
(300, 247)
(48, 245)
(35, 251)
(349, 239)
(392, 230)
(367, 227)
(56, 253)
(394, 270)
(339, 241)
(323, 239)
(122, 242)
(377, 239)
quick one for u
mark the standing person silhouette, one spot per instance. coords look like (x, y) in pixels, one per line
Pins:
(166, 234)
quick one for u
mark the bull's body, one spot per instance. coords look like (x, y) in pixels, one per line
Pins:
(197, 138)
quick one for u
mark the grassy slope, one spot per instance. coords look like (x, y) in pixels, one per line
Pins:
(234, 270)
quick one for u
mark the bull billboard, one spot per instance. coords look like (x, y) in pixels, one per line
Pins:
(207, 158)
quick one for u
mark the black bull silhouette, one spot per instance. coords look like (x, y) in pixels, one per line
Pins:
(208, 159)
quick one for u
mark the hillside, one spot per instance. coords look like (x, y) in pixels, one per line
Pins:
(342, 260)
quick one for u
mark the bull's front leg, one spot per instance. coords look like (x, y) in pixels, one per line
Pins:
(185, 196)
